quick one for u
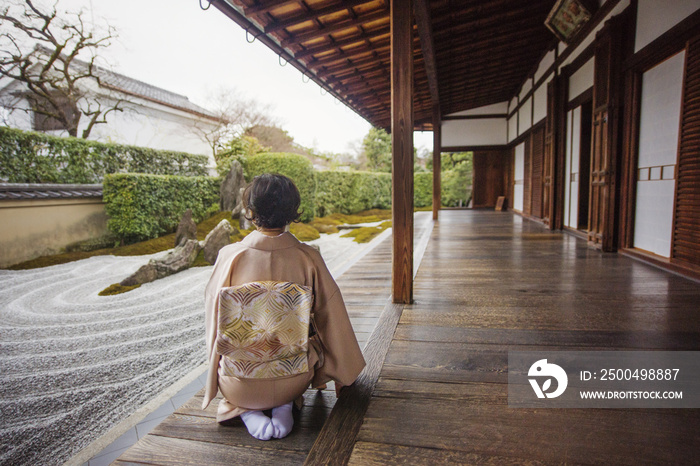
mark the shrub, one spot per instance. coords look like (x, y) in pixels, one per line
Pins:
(423, 189)
(145, 206)
(351, 192)
(455, 186)
(295, 166)
(30, 157)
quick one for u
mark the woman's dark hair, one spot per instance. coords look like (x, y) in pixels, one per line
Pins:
(272, 201)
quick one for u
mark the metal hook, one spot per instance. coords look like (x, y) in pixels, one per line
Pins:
(323, 91)
(247, 33)
(279, 60)
(303, 75)
(208, 6)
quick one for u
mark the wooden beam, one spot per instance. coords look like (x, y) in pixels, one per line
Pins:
(335, 27)
(312, 15)
(264, 7)
(474, 117)
(378, 46)
(349, 411)
(348, 63)
(437, 164)
(425, 32)
(342, 42)
(402, 149)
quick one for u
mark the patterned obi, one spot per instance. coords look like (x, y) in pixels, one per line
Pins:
(264, 329)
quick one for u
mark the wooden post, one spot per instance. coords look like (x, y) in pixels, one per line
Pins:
(402, 149)
(437, 165)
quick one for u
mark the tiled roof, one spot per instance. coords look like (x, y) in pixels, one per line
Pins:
(134, 87)
(13, 191)
(131, 86)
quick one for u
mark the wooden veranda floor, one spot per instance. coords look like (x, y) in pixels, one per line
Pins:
(435, 390)
(492, 282)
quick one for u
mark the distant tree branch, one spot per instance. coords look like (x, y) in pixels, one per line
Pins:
(41, 49)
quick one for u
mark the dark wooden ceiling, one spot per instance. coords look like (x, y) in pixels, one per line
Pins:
(483, 49)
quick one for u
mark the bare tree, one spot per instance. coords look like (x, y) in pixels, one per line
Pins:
(236, 114)
(40, 49)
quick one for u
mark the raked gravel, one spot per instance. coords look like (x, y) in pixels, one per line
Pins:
(73, 364)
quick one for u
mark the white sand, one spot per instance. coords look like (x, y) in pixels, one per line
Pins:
(73, 364)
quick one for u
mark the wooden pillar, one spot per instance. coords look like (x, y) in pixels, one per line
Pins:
(402, 149)
(437, 165)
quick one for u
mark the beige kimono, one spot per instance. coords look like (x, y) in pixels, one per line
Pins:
(333, 354)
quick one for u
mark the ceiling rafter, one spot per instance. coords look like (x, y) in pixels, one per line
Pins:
(298, 39)
(425, 32)
(342, 42)
(482, 49)
(379, 46)
(265, 7)
(311, 15)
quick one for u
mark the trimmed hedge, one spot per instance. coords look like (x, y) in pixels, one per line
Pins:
(142, 206)
(30, 157)
(295, 166)
(423, 189)
(352, 191)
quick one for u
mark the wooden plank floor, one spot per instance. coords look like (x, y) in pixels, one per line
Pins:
(191, 436)
(491, 282)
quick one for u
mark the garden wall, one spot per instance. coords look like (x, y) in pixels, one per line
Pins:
(40, 220)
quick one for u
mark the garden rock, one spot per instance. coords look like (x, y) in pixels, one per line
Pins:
(178, 259)
(230, 191)
(217, 239)
(243, 222)
(187, 229)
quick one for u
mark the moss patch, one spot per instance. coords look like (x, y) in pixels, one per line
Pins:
(304, 232)
(116, 288)
(329, 223)
(366, 234)
(324, 227)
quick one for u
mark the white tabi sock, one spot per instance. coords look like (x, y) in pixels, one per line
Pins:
(258, 425)
(282, 420)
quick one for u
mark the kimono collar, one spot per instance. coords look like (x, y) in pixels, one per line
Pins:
(257, 240)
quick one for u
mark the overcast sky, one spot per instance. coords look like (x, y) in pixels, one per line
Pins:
(175, 45)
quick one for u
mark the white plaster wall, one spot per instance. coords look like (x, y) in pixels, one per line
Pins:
(527, 85)
(540, 103)
(545, 63)
(525, 115)
(519, 177)
(15, 111)
(654, 17)
(513, 128)
(513, 103)
(15, 117)
(155, 128)
(501, 107)
(581, 80)
(477, 132)
(662, 88)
